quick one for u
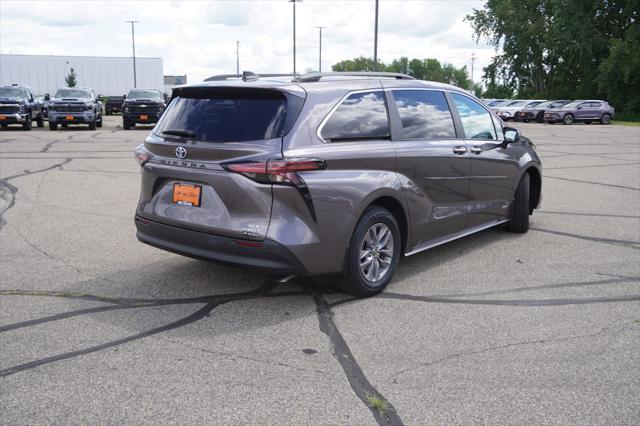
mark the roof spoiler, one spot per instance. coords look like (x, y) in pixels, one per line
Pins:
(317, 76)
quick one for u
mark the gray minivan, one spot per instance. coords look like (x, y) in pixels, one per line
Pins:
(331, 173)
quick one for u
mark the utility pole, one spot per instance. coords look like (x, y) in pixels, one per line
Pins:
(473, 61)
(375, 42)
(238, 58)
(320, 49)
(133, 41)
(294, 34)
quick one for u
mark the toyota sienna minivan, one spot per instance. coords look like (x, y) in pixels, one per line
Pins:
(329, 174)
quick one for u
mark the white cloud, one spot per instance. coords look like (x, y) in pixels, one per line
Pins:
(198, 37)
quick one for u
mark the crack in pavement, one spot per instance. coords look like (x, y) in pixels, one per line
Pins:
(622, 243)
(501, 347)
(589, 214)
(610, 185)
(47, 254)
(356, 377)
(595, 165)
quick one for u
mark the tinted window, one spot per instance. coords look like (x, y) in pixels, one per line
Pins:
(226, 118)
(595, 104)
(476, 121)
(424, 114)
(360, 116)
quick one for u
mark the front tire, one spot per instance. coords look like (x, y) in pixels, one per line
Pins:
(99, 122)
(373, 254)
(126, 124)
(519, 213)
(92, 125)
(606, 118)
(568, 119)
(27, 124)
(40, 121)
(53, 126)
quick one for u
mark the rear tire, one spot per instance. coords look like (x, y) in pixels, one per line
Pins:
(53, 126)
(568, 119)
(606, 118)
(373, 253)
(519, 214)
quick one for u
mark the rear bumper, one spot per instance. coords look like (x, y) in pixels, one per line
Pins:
(270, 257)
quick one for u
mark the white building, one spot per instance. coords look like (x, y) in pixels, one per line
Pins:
(108, 76)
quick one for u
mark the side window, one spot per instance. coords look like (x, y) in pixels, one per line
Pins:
(596, 105)
(476, 121)
(360, 116)
(424, 114)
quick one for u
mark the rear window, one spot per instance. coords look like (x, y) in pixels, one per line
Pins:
(229, 116)
(360, 116)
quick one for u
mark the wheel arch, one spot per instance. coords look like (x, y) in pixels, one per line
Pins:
(535, 190)
(398, 211)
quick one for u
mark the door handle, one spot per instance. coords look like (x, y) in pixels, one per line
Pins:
(476, 150)
(459, 150)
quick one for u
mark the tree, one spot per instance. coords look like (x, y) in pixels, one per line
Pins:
(422, 69)
(70, 79)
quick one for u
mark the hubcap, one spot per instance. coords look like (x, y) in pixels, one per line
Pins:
(376, 252)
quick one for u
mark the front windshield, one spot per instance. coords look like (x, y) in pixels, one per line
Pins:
(144, 94)
(534, 103)
(557, 104)
(496, 103)
(13, 92)
(516, 103)
(72, 93)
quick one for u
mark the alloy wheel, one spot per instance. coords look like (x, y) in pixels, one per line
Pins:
(376, 252)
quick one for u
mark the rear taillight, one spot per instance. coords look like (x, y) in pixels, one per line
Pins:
(277, 171)
(281, 172)
(142, 155)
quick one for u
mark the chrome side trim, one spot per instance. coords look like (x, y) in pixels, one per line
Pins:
(431, 244)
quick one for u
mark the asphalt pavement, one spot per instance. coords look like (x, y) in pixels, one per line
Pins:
(496, 328)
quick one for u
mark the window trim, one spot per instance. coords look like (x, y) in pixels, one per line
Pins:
(422, 89)
(493, 122)
(341, 101)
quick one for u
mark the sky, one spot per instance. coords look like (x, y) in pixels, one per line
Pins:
(198, 38)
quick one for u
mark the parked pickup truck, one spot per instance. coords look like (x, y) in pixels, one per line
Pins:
(18, 106)
(74, 105)
(142, 106)
(113, 104)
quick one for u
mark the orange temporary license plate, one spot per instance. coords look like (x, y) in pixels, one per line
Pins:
(187, 195)
(69, 117)
(2, 117)
(144, 117)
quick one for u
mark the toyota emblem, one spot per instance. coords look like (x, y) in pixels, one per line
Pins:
(181, 152)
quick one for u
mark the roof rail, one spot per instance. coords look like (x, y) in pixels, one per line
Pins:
(317, 76)
(245, 76)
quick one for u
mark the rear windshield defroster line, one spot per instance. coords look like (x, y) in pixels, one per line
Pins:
(229, 114)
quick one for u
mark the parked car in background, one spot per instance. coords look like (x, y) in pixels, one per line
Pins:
(586, 111)
(331, 173)
(536, 112)
(511, 110)
(497, 102)
(18, 106)
(113, 104)
(74, 105)
(143, 106)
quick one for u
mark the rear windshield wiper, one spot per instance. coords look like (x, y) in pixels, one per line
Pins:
(184, 133)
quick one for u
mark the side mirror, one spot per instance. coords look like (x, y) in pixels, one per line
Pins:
(124, 96)
(47, 97)
(511, 134)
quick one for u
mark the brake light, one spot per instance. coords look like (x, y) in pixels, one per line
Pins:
(276, 171)
(281, 172)
(142, 155)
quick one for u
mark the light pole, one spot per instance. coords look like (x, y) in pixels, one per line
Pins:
(473, 61)
(375, 41)
(294, 33)
(133, 41)
(238, 58)
(320, 49)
